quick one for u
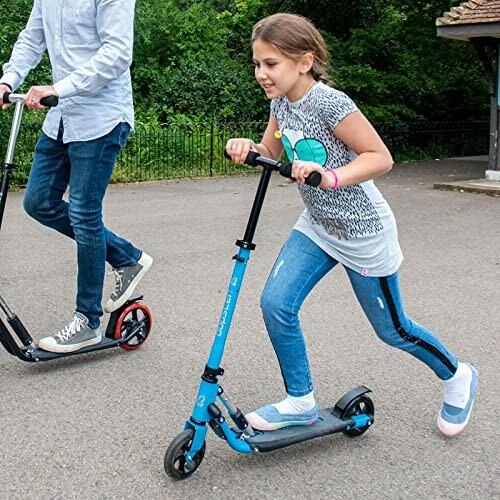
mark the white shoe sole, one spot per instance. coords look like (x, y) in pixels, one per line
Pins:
(258, 423)
(49, 344)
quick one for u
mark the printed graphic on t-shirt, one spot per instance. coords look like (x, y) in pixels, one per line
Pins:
(297, 147)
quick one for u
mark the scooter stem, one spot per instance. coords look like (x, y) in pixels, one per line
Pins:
(246, 245)
(257, 205)
(14, 131)
(8, 167)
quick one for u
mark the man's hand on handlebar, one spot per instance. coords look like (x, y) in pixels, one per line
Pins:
(4, 89)
(36, 93)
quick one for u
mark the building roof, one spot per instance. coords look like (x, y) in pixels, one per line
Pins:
(472, 19)
(472, 12)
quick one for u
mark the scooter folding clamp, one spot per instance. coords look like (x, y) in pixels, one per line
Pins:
(9, 167)
(210, 374)
(245, 244)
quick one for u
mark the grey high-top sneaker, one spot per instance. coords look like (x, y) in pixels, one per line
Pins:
(127, 279)
(72, 337)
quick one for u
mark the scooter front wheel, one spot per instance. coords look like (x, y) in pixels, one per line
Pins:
(129, 318)
(175, 456)
(362, 405)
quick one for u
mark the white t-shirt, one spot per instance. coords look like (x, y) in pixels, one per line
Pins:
(353, 224)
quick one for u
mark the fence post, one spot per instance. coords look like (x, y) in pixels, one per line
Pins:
(211, 147)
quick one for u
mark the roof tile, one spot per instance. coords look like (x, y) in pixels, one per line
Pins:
(471, 12)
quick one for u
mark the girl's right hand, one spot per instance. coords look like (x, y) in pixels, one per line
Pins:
(238, 149)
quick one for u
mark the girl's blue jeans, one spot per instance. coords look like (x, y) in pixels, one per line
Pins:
(86, 167)
(299, 267)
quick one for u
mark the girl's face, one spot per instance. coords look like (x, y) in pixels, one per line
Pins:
(278, 74)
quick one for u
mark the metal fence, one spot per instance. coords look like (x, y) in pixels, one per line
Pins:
(435, 140)
(174, 151)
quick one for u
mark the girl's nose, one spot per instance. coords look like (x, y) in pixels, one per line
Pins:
(260, 74)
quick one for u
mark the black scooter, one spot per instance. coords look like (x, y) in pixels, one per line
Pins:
(128, 327)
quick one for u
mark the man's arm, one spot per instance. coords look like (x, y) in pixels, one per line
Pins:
(115, 25)
(27, 51)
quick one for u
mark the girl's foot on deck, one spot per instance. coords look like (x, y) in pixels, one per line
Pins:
(291, 411)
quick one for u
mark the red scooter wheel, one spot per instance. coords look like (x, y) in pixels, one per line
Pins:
(129, 318)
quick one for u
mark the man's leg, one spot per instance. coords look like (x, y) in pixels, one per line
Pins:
(92, 164)
(47, 182)
(43, 200)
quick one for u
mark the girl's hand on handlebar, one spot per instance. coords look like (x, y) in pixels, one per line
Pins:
(36, 94)
(238, 149)
(302, 169)
(4, 89)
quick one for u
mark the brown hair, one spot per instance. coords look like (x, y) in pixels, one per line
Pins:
(295, 36)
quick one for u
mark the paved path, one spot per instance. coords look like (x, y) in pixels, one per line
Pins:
(96, 426)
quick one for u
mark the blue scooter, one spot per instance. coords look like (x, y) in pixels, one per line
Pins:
(353, 414)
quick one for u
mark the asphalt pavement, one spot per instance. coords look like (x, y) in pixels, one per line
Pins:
(96, 426)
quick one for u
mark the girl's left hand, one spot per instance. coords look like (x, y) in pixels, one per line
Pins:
(302, 169)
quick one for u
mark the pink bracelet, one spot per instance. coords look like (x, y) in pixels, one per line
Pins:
(336, 177)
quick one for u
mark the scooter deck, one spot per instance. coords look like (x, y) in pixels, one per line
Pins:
(33, 353)
(326, 424)
(41, 355)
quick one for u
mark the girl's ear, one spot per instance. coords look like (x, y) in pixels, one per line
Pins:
(306, 62)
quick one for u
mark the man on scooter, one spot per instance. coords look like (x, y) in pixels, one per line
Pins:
(89, 44)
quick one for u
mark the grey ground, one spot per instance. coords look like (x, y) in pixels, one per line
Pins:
(97, 425)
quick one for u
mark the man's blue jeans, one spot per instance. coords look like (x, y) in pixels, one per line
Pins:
(86, 167)
(299, 267)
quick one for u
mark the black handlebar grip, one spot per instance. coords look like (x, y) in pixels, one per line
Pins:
(250, 160)
(51, 101)
(313, 179)
(251, 157)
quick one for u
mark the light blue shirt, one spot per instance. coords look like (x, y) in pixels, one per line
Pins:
(90, 44)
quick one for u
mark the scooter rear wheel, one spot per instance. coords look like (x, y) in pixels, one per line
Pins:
(130, 316)
(175, 456)
(362, 405)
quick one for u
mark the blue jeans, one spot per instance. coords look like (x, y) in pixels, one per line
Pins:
(86, 167)
(299, 267)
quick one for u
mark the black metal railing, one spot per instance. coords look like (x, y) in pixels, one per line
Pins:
(174, 151)
(435, 140)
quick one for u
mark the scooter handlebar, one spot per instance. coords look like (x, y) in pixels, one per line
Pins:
(50, 101)
(284, 168)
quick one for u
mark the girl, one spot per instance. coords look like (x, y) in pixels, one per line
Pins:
(346, 220)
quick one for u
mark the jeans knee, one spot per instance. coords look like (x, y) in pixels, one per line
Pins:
(389, 336)
(395, 336)
(32, 206)
(274, 308)
(266, 302)
(84, 220)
